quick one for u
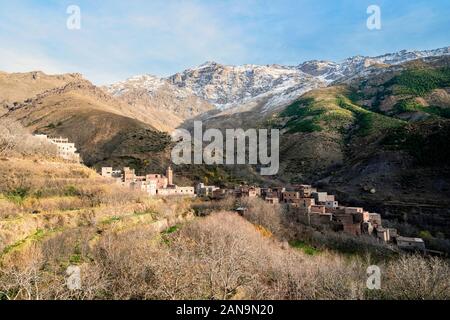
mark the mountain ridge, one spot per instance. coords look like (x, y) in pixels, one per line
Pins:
(228, 86)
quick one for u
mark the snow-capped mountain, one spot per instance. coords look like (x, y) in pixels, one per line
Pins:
(146, 82)
(354, 66)
(227, 87)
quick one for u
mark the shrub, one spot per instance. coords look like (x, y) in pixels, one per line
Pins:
(415, 278)
(15, 140)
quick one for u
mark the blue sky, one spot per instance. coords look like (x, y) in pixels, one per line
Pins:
(119, 39)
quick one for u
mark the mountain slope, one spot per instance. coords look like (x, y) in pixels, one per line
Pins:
(167, 104)
(347, 140)
(104, 130)
(16, 87)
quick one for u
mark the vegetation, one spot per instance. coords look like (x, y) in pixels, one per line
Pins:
(306, 248)
(17, 195)
(368, 122)
(333, 110)
(16, 141)
(128, 246)
(423, 141)
(316, 113)
(420, 81)
(411, 105)
(146, 250)
(224, 255)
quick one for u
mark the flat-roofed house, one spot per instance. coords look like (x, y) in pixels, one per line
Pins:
(318, 209)
(107, 172)
(66, 150)
(290, 196)
(410, 244)
(304, 189)
(375, 219)
(204, 191)
(331, 204)
(320, 197)
(346, 223)
(352, 210)
(272, 200)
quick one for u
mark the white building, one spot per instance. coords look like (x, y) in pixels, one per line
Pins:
(320, 197)
(66, 149)
(202, 190)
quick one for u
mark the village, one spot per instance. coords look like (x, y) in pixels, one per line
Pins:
(312, 207)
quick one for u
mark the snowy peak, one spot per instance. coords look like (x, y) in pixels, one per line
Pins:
(208, 64)
(146, 82)
(404, 55)
(331, 71)
(228, 86)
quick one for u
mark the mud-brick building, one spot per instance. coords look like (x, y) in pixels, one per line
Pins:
(410, 244)
(305, 190)
(290, 196)
(348, 223)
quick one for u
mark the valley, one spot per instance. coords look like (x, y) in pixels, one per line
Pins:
(361, 125)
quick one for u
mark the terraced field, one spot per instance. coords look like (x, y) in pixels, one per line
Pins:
(54, 214)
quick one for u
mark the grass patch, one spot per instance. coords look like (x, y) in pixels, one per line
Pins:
(171, 230)
(75, 258)
(36, 236)
(298, 108)
(111, 220)
(71, 191)
(407, 105)
(146, 212)
(306, 248)
(165, 235)
(17, 195)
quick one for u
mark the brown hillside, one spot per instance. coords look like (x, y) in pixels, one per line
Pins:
(104, 130)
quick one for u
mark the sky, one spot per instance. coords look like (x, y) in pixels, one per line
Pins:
(120, 39)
